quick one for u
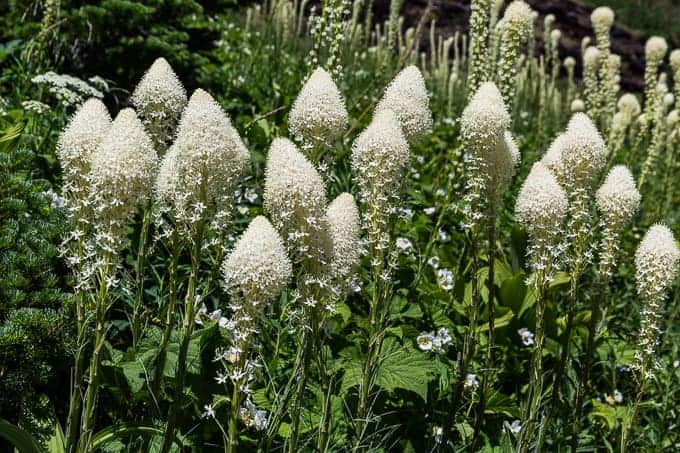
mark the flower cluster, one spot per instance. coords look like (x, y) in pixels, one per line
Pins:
(201, 169)
(318, 117)
(407, 97)
(159, 99)
(429, 341)
(656, 261)
(68, 90)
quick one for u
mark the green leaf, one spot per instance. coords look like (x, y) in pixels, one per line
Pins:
(405, 369)
(122, 430)
(20, 438)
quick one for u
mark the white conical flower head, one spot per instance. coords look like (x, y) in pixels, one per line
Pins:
(555, 36)
(577, 156)
(159, 99)
(318, 116)
(618, 199)
(407, 97)
(577, 105)
(602, 18)
(655, 49)
(518, 14)
(675, 61)
(542, 203)
(258, 268)
(484, 121)
(656, 261)
(122, 174)
(591, 58)
(295, 198)
(343, 223)
(570, 62)
(80, 139)
(629, 104)
(208, 157)
(379, 157)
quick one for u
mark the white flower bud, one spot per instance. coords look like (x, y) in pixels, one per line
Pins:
(570, 63)
(656, 261)
(555, 36)
(655, 49)
(668, 100)
(343, 223)
(673, 118)
(518, 14)
(542, 203)
(203, 166)
(258, 268)
(618, 199)
(602, 18)
(159, 99)
(407, 97)
(79, 140)
(591, 58)
(629, 104)
(675, 60)
(577, 105)
(318, 116)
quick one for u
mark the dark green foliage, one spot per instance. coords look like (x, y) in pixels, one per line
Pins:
(33, 330)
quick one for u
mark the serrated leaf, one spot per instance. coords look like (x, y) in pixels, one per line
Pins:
(404, 369)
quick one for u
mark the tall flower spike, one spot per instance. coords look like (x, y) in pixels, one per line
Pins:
(518, 21)
(407, 97)
(203, 166)
(379, 156)
(656, 262)
(343, 222)
(159, 99)
(122, 173)
(77, 143)
(258, 268)
(295, 198)
(318, 116)
(618, 199)
(577, 156)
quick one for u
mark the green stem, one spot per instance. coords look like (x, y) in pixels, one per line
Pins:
(299, 393)
(75, 405)
(139, 279)
(170, 308)
(535, 393)
(101, 307)
(187, 330)
(491, 252)
(236, 401)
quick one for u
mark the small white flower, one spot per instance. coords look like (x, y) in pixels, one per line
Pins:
(429, 211)
(471, 381)
(56, 201)
(514, 427)
(404, 244)
(618, 397)
(676, 363)
(444, 336)
(433, 261)
(440, 192)
(425, 341)
(209, 411)
(445, 279)
(438, 434)
(526, 336)
(443, 236)
(221, 378)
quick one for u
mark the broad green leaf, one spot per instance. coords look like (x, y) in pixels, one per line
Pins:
(21, 439)
(404, 369)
